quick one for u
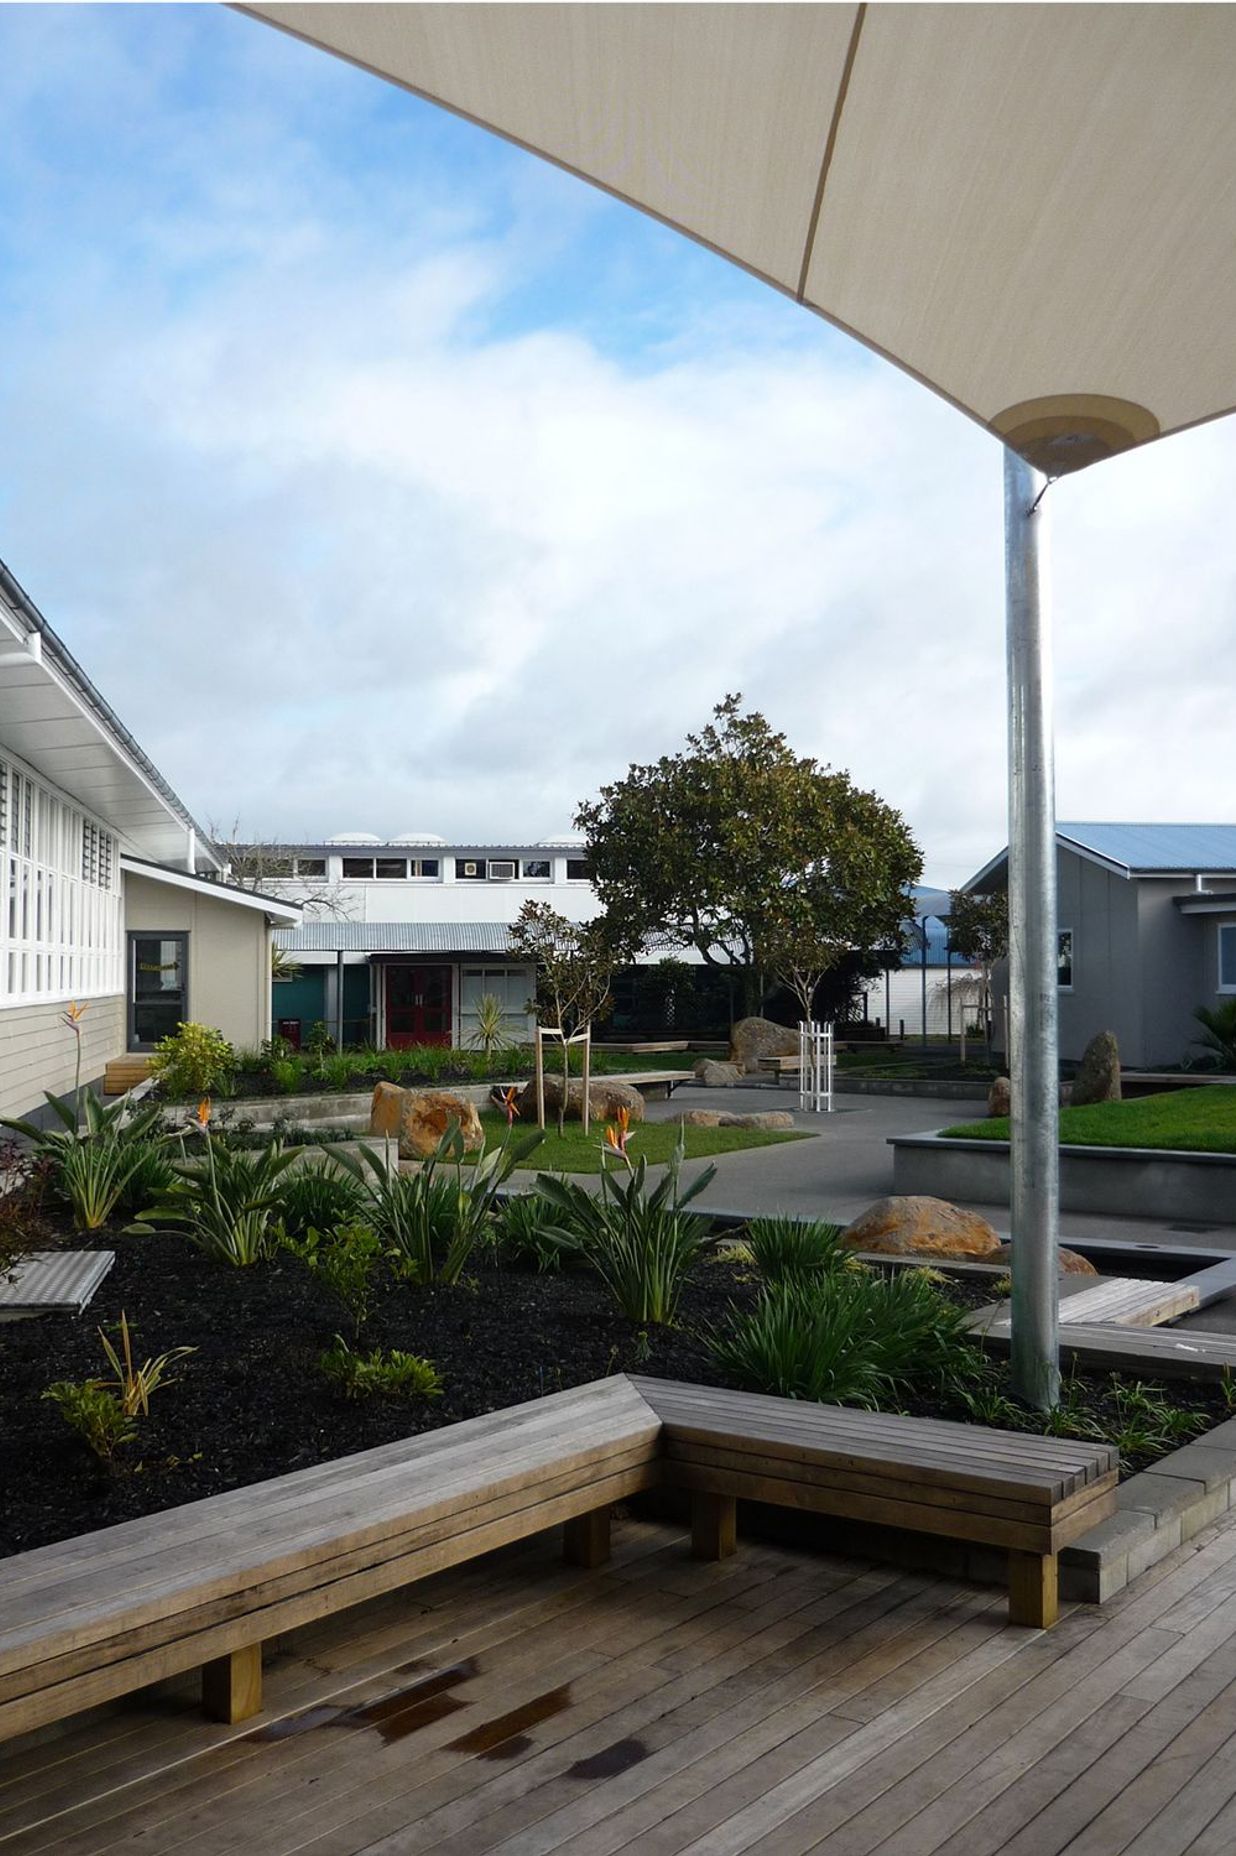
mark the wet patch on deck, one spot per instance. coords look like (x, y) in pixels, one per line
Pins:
(404, 1711)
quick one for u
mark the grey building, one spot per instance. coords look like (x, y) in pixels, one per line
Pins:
(1146, 933)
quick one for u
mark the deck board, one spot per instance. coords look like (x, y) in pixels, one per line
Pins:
(785, 1702)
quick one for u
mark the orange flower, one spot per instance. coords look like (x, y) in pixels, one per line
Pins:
(616, 1137)
(73, 1014)
(509, 1104)
(202, 1118)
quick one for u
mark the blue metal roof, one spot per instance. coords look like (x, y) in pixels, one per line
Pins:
(1183, 848)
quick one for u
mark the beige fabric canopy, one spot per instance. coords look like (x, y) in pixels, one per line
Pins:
(1032, 209)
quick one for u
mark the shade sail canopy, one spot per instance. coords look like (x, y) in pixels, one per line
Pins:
(1032, 209)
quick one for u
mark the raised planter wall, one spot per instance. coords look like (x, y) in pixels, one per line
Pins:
(1126, 1182)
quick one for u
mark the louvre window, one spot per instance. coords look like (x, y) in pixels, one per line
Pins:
(60, 925)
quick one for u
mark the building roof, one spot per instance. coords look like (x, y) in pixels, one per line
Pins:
(327, 937)
(53, 718)
(275, 908)
(1137, 850)
(399, 847)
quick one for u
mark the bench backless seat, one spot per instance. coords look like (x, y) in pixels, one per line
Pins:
(1028, 1494)
(204, 1585)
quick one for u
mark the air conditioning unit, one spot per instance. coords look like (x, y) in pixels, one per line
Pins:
(468, 869)
(501, 870)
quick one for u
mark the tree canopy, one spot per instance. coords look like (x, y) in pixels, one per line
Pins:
(750, 853)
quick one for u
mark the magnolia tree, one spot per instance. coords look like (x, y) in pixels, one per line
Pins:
(575, 962)
(755, 856)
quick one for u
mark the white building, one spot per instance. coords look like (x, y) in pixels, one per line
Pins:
(112, 896)
(403, 936)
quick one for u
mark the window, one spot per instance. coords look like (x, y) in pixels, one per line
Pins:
(393, 868)
(60, 924)
(537, 869)
(273, 867)
(1227, 956)
(1064, 960)
(358, 867)
(424, 866)
(470, 869)
(158, 987)
(311, 866)
(579, 870)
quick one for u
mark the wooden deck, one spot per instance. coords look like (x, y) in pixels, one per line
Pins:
(779, 1703)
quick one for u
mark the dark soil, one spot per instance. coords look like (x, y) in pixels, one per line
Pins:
(251, 1403)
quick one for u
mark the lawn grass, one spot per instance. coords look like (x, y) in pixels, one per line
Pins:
(577, 1152)
(1190, 1120)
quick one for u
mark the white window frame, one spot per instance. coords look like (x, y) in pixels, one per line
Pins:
(61, 914)
(1060, 934)
(1221, 985)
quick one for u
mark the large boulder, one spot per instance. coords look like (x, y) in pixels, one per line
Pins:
(999, 1097)
(1070, 1263)
(714, 1075)
(776, 1119)
(753, 1038)
(418, 1118)
(915, 1225)
(606, 1096)
(1098, 1079)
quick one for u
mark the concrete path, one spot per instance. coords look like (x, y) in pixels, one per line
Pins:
(849, 1163)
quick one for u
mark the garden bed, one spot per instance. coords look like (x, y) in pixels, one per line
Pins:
(1184, 1121)
(251, 1401)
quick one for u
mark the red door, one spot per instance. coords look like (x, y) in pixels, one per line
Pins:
(418, 1006)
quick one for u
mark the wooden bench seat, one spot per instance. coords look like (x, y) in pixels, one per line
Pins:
(1030, 1495)
(204, 1585)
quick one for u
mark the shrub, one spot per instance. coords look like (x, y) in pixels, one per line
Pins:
(93, 1176)
(194, 1061)
(225, 1203)
(345, 1261)
(782, 1248)
(846, 1338)
(316, 1197)
(1218, 1037)
(432, 1221)
(641, 1243)
(378, 1373)
(151, 1174)
(528, 1234)
(489, 1033)
(104, 1412)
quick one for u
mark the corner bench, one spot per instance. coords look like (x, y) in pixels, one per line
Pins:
(203, 1586)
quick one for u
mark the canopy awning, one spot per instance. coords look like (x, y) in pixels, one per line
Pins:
(1030, 208)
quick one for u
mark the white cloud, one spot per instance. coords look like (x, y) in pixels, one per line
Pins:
(344, 547)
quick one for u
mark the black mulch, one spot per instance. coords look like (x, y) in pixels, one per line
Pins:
(250, 1403)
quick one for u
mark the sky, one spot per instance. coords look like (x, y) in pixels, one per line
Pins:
(384, 478)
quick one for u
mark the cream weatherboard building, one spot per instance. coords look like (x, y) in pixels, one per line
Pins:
(112, 895)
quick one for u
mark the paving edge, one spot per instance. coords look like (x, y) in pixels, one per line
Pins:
(1156, 1511)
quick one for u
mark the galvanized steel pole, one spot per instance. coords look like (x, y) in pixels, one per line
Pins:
(1032, 1023)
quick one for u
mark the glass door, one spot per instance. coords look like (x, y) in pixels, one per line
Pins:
(158, 987)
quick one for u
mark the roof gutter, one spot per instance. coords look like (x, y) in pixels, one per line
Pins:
(71, 670)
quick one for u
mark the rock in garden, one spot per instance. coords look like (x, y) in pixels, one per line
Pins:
(1098, 1079)
(418, 1118)
(753, 1038)
(714, 1075)
(605, 1097)
(999, 1099)
(1070, 1262)
(915, 1225)
(777, 1119)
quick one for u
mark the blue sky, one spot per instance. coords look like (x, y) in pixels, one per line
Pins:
(383, 477)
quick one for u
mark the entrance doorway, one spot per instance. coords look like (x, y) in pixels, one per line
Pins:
(158, 987)
(418, 1006)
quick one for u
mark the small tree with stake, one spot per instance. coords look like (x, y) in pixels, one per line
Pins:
(978, 930)
(574, 962)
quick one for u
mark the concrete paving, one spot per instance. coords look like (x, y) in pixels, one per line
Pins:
(849, 1164)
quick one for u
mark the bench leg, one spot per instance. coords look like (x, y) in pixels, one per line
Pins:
(232, 1685)
(585, 1538)
(714, 1526)
(1033, 1593)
